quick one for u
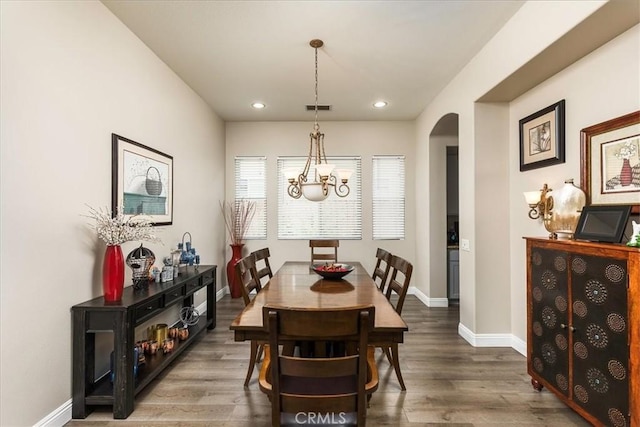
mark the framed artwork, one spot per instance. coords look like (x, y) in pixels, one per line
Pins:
(142, 180)
(610, 162)
(542, 138)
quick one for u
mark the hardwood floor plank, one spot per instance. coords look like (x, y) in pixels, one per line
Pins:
(448, 383)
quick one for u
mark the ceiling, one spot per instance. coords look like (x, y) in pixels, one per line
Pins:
(233, 53)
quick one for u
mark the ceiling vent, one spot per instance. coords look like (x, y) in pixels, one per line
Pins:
(320, 107)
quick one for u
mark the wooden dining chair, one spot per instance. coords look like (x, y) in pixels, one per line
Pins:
(319, 251)
(382, 268)
(262, 255)
(326, 387)
(247, 276)
(397, 288)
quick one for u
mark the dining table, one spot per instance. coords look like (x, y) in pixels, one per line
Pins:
(296, 285)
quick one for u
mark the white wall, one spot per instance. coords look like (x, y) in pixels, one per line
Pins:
(273, 139)
(601, 86)
(71, 74)
(516, 44)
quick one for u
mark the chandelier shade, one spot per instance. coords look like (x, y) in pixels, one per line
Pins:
(318, 177)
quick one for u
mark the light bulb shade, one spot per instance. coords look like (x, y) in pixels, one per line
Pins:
(314, 192)
(344, 174)
(291, 173)
(532, 197)
(324, 169)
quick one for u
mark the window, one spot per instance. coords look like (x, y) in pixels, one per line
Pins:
(251, 185)
(334, 218)
(388, 197)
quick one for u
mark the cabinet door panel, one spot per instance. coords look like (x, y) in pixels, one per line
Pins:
(548, 353)
(600, 351)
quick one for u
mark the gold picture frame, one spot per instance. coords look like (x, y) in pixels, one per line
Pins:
(610, 162)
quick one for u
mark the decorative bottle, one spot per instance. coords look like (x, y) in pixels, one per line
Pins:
(567, 205)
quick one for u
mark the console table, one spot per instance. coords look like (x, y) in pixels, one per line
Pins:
(136, 307)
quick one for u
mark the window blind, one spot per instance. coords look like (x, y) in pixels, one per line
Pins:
(333, 218)
(250, 177)
(388, 197)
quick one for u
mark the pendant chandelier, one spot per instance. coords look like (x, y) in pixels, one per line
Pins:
(317, 187)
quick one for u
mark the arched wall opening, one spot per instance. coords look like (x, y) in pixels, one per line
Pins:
(444, 134)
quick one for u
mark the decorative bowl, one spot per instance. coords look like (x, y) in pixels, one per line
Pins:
(333, 271)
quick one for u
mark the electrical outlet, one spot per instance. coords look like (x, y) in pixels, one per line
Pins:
(465, 245)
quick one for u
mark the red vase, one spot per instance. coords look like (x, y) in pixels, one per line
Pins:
(236, 255)
(113, 274)
(625, 173)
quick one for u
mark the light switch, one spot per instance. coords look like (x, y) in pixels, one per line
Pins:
(464, 245)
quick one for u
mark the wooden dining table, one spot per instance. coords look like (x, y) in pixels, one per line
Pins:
(296, 285)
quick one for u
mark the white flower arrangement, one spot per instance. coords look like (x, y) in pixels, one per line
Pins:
(627, 151)
(118, 229)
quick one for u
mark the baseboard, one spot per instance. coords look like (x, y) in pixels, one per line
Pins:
(519, 345)
(485, 340)
(58, 417)
(429, 302)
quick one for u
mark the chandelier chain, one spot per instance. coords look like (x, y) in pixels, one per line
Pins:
(316, 87)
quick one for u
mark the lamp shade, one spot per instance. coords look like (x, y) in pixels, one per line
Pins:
(291, 173)
(313, 192)
(324, 169)
(532, 197)
(344, 174)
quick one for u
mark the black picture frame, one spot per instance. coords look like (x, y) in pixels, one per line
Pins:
(542, 138)
(141, 181)
(602, 223)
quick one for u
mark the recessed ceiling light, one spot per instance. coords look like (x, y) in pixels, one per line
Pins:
(380, 104)
(258, 105)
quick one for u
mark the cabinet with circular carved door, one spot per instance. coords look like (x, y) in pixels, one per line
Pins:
(583, 327)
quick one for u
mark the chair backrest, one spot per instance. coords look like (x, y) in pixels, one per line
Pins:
(325, 387)
(401, 271)
(320, 253)
(246, 275)
(381, 270)
(265, 271)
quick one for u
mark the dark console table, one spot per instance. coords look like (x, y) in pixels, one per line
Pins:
(122, 318)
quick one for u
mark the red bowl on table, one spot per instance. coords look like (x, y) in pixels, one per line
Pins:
(333, 271)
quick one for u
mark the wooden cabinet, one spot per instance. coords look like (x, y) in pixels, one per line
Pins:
(583, 317)
(137, 306)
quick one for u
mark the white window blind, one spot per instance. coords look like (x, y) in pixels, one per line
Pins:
(388, 197)
(333, 218)
(251, 185)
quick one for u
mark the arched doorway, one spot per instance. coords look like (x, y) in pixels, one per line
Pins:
(443, 213)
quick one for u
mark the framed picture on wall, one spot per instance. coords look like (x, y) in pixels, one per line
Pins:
(610, 161)
(142, 180)
(542, 138)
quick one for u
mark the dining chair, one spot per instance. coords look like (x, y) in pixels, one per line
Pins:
(337, 386)
(319, 251)
(262, 255)
(397, 289)
(246, 275)
(382, 268)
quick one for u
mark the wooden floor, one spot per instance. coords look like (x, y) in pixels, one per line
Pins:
(448, 382)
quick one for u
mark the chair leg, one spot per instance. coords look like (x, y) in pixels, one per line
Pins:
(388, 354)
(252, 362)
(259, 355)
(396, 364)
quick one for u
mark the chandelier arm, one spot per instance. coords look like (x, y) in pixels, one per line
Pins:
(342, 190)
(294, 191)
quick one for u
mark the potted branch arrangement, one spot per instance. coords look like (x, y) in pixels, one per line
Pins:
(237, 218)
